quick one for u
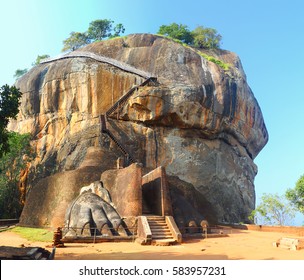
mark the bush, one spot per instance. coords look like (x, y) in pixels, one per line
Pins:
(11, 165)
(200, 37)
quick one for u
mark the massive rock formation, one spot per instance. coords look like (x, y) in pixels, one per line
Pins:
(201, 122)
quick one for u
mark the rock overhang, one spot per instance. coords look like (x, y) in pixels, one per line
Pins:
(220, 101)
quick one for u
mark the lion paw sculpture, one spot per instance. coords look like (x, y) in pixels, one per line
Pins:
(93, 213)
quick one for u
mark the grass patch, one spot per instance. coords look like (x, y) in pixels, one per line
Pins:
(223, 65)
(220, 63)
(34, 234)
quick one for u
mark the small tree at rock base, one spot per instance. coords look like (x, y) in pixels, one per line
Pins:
(296, 195)
(273, 210)
(9, 108)
(12, 163)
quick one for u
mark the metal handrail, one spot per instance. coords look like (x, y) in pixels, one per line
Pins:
(124, 66)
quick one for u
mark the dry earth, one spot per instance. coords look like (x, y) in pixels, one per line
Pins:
(239, 245)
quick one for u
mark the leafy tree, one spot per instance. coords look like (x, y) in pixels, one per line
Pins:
(100, 29)
(11, 165)
(39, 58)
(19, 73)
(273, 210)
(296, 195)
(200, 37)
(176, 31)
(9, 103)
(206, 38)
(75, 41)
(97, 31)
(118, 29)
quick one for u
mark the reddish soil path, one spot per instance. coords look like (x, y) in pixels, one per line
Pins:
(239, 245)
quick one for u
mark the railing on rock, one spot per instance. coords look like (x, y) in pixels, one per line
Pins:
(121, 101)
(128, 158)
(121, 65)
(8, 222)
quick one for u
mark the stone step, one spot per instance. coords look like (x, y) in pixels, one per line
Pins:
(160, 224)
(162, 236)
(157, 230)
(161, 231)
(157, 221)
(163, 242)
(290, 243)
(153, 217)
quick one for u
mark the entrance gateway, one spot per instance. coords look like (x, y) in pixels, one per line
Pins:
(155, 194)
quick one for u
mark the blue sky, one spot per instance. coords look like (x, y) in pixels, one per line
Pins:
(266, 34)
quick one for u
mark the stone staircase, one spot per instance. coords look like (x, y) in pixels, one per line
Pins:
(161, 234)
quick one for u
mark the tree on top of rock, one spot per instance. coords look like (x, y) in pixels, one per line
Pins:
(200, 37)
(75, 41)
(102, 28)
(176, 31)
(98, 30)
(40, 58)
(206, 38)
(19, 73)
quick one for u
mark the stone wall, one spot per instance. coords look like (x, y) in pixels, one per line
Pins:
(124, 186)
(283, 229)
(49, 198)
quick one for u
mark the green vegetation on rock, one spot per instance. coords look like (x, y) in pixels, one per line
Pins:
(220, 63)
(98, 30)
(200, 37)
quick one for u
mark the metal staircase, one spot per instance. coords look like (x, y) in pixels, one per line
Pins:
(123, 100)
(128, 158)
(115, 107)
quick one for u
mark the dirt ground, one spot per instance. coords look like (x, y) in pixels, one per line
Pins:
(239, 245)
